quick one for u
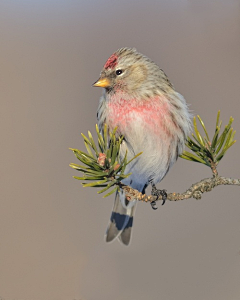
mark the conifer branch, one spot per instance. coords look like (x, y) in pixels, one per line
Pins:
(195, 191)
(103, 168)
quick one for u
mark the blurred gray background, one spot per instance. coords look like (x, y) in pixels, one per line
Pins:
(51, 228)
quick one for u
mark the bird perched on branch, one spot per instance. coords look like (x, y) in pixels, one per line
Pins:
(142, 103)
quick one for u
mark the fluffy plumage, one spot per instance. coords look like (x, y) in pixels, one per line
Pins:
(140, 100)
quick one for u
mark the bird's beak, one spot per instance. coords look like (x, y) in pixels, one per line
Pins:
(102, 82)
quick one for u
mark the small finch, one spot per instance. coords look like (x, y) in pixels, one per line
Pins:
(142, 103)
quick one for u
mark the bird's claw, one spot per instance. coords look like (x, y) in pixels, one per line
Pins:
(153, 205)
(163, 193)
(157, 193)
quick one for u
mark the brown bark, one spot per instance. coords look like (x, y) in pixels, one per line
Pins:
(195, 191)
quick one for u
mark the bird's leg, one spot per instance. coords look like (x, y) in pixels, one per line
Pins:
(157, 193)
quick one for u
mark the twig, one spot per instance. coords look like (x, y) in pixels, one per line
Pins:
(195, 191)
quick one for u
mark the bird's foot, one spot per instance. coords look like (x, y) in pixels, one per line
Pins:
(157, 193)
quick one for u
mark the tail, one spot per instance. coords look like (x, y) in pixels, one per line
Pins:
(121, 220)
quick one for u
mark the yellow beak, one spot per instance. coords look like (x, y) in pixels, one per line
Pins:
(102, 82)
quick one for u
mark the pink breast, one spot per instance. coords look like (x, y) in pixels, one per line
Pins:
(152, 113)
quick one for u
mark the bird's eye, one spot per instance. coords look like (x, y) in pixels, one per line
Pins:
(119, 72)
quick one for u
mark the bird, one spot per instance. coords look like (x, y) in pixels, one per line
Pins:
(139, 99)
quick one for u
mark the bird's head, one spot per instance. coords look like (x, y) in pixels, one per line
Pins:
(126, 70)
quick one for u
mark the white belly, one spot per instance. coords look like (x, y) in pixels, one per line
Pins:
(159, 153)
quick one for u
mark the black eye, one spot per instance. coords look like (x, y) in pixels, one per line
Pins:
(119, 72)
